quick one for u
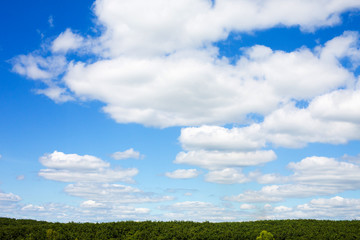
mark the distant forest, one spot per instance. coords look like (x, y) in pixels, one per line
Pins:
(257, 230)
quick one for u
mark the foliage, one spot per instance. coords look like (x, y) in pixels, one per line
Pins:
(265, 235)
(177, 230)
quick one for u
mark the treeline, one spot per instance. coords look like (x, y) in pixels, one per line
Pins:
(280, 229)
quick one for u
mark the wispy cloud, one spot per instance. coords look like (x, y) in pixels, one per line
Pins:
(127, 154)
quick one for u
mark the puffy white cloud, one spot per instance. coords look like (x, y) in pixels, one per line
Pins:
(342, 46)
(312, 176)
(269, 178)
(341, 105)
(183, 173)
(218, 159)
(220, 138)
(166, 91)
(287, 126)
(182, 81)
(326, 172)
(36, 67)
(67, 41)
(281, 209)
(91, 204)
(146, 28)
(76, 168)
(56, 93)
(226, 176)
(60, 160)
(129, 153)
(293, 127)
(247, 206)
(337, 208)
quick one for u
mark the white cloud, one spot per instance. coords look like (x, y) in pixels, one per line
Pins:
(217, 159)
(171, 42)
(293, 127)
(91, 204)
(8, 198)
(183, 173)
(36, 67)
(312, 176)
(326, 172)
(226, 176)
(247, 206)
(130, 153)
(34, 208)
(337, 208)
(281, 209)
(143, 28)
(60, 160)
(269, 178)
(110, 194)
(56, 93)
(219, 138)
(165, 92)
(67, 41)
(76, 168)
(341, 105)
(288, 126)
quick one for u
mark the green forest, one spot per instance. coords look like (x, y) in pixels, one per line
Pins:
(257, 230)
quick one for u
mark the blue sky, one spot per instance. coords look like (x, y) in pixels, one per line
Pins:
(191, 110)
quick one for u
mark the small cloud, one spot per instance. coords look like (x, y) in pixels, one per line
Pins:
(0, 156)
(67, 41)
(20, 177)
(247, 206)
(51, 21)
(56, 93)
(91, 204)
(130, 153)
(188, 194)
(183, 173)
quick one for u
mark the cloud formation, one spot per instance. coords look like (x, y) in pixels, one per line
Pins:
(313, 176)
(127, 154)
(75, 168)
(183, 80)
(183, 173)
(336, 208)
